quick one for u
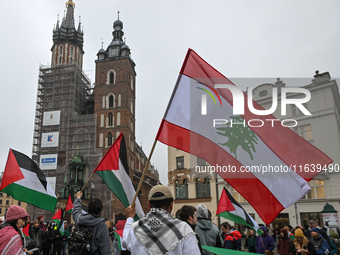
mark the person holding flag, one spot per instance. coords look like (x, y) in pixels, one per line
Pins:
(158, 232)
(100, 243)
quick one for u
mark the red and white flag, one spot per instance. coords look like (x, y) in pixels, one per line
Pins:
(234, 147)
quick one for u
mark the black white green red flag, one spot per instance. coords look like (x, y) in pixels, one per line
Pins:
(189, 125)
(58, 218)
(25, 181)
(26, 231)
(69, 205)
(230, 209)
(113, 169)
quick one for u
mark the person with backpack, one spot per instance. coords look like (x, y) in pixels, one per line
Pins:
(264, 243)
(320, 244)
(91, 235)
(232, 237)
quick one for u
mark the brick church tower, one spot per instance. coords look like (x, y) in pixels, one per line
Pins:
(68, 41)
(115, 94)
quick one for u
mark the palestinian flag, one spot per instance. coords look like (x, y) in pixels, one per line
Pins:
(58, 218)
(119, 237)
(24, 181)
(26, 231)
(69, 205)
(114, 170)
(230, 209)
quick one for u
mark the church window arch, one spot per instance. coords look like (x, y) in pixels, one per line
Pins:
(109, 139)
(101, 140)
(111, 77)
(110, 101)
(110, 120)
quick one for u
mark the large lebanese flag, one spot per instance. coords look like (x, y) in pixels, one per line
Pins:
(114, 171)
(25, 181)
(184, 127)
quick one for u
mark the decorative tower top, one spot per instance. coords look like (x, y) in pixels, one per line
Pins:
(67, 31)
(117, 47)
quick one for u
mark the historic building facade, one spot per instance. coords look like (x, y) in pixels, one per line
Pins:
(76, 122)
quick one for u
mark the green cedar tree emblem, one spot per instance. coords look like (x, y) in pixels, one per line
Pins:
(238, 135)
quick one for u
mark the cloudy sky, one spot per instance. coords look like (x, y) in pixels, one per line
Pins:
(239, 38)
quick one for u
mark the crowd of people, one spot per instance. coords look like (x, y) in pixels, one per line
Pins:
(157, 233)
(20, 235)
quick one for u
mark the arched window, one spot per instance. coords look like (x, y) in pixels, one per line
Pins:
(61, 50)
(203, 187)
(109, 139)
(118, 118)
(110, 120)
(71, 61)
(102, 120)
(71, 51)
(101, 140)
(181, 189)
(112, 78)
(111, 102)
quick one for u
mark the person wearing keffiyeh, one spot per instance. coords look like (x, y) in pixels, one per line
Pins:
(158, 232)
(11, 237)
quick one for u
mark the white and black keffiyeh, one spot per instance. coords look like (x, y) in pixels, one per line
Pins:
(159, 232)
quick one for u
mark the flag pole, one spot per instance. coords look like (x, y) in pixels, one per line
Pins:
(87, 181)
(144, 171)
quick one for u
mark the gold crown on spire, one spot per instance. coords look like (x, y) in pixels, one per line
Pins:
(70, 3)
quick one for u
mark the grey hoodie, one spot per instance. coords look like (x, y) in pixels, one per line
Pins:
(209, 234)
(101, 243)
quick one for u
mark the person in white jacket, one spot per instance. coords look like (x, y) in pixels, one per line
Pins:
(158, 232)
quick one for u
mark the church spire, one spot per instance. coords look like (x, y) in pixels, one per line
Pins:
(69, 20)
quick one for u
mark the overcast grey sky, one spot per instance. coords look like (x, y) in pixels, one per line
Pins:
(239, 38)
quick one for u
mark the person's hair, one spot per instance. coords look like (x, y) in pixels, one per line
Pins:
(248, 234)
(186, 211)
(226, 225)
(95, 206)
(165, 203)
(40, 217)
(312, 222)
